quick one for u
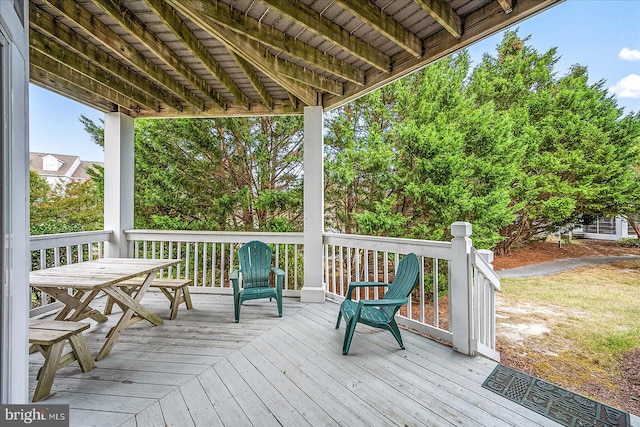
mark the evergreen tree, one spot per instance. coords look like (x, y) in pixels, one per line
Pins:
(578, 144)
(216, 174)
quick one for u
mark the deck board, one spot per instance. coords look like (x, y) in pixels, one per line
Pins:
(203, 369)
(175, 410)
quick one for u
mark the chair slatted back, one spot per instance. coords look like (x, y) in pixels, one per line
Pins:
(405, 280)
(255, 264)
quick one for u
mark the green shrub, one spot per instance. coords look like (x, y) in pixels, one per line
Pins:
(631, 242)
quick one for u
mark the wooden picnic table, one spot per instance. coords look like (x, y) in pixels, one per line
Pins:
(88, 279)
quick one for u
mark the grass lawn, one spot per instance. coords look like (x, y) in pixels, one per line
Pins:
(575, 328)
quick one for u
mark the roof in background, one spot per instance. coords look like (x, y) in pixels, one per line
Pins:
(80, 173)
(178, 58)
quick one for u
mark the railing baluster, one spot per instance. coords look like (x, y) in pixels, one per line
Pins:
(348, 267)
(222, 282)
(295, 266)
(231, 254)
(195, 263)
(436, 291)
(213, 265)
(170, 257)
(342, 285)
(179, 267)
(204, 263)
(286, 264)
(376, 291)
(421, 284)
(187, 255)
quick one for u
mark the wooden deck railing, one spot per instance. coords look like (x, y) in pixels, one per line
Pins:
(52, 250)
(366, 258)
(485, 285)
(208, 256)
(454, 300)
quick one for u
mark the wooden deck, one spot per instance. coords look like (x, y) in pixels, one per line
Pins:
(202, 369)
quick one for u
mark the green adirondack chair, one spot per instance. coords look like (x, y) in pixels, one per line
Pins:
(255, 268)
(380, 313)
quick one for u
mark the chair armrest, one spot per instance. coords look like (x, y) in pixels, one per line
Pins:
(384, 302)
(277, 271)
(354, 285)
(233, 277)
(279, 279)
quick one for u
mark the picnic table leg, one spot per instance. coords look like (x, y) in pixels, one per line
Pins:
(133, 307)
(48, 371)
(73, 303)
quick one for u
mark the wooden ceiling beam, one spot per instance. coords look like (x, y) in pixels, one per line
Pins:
(53, 83)
(325, 28)
(255, 81)
(130, 22)
(507, 5)
(280, 107)
(235, 20)
(114, 43)
(444, 14)
(58, 53)
(54, 29)
(371, 14)
(252, 49)
(255, 54)
(169, 17)
(64, 72)
(479, 24)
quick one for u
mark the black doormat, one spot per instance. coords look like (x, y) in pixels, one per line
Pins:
(557, 403)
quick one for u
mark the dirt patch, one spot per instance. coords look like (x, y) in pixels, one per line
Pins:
(535, 252)
(521, 327)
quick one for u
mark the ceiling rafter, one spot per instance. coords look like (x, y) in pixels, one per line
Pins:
(380, 21)
(139, 30)
(64, 72)
(56, 30)
(276, 65)
(169, 17)
(311, 20)
(442, 12)
(51, 82)
(255, 54)
(507, 5)
(237, 21)
(124, 50)
(62, 55)
(479, 24)
(255, 81)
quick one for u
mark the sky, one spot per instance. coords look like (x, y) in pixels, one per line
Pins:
(603, 35)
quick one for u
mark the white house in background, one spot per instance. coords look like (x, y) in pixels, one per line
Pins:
(606, 229)
(60, 169)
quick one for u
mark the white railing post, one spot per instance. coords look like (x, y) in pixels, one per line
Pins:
(460, 297)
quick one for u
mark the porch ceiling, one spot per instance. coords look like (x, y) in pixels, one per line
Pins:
(178, 58)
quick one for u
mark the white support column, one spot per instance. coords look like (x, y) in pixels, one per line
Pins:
(14, 202)
(118, 181)
(313, 288)
(460, 297)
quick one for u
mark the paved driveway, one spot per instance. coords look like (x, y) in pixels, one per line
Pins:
(553, 267)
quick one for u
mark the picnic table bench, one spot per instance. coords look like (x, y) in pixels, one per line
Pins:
(179, 287)
(49, 337)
